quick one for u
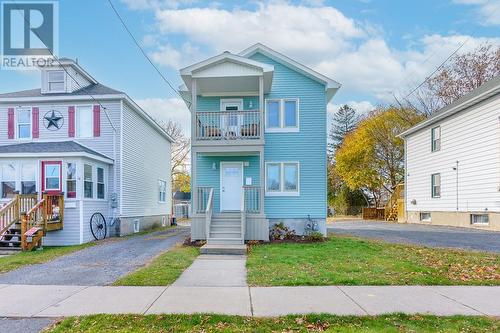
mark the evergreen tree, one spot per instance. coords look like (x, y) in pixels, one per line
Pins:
(344, 121)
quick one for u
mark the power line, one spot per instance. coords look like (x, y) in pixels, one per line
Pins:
(144, 52)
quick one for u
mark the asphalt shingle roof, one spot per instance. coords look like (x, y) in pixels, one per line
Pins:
(94, 89)
(48, 147)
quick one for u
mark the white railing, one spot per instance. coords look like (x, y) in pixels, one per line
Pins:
(202, 196)
(251, 199)
(208, 213)
(228, 125)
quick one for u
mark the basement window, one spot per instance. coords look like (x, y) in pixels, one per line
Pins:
(425, 217)
(479, 219)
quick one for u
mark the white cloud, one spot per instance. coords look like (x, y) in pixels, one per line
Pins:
(488, 10)
(164, 109)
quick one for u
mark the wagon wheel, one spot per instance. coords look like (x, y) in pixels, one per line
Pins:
(98, 226)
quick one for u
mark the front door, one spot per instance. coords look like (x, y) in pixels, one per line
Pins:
(52, 177)
(230, 185)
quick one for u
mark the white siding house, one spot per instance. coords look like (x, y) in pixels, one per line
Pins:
(453, 163)
(108, 155)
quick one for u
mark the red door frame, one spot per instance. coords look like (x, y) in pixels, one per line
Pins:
(44, 163)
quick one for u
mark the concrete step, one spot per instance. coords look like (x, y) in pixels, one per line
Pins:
(225, 241)
(222, 227)
(237, 249)
(227, 216)
(225, 234)
(226, 223)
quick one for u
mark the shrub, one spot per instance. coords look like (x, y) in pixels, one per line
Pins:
(281, 232)
(315, 236)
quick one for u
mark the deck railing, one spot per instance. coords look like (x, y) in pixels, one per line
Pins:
(10, 213)
(202, 195)
(228, 125)
(251, 199)
(209, 212)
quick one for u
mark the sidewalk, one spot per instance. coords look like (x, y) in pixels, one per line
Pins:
(61, 301)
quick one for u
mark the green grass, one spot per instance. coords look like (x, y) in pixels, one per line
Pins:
(15, 261)
(162, 270)
(353, 261)
(311, 323)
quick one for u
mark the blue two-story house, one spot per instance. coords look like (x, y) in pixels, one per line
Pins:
(259, 135)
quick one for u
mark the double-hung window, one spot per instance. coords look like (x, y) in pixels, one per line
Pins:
(88, 182)
(436, 138)
(8, 180)
(71, 180)
(100, 183)
(55, 81)
(282, 178)
(436, 185)
(282, 115)
(84, 121)
(162, 191)
(24, 124)
(28, 178)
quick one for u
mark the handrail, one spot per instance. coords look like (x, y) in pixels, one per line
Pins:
(9, 214)
(251, 197)
(228, 125)
(243, 210)
(208, 213)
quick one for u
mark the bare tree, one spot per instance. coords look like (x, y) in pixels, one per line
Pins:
(180, 147)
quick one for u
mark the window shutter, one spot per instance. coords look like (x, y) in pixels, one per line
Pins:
(10, 130)
(35, 128)
(97, 120)
(71, 121)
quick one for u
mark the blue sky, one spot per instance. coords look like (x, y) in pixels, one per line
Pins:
(375, 48)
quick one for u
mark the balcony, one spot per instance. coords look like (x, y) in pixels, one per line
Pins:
(229, 127)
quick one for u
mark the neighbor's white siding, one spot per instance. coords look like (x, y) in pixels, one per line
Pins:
(146, 159)
(471, 137)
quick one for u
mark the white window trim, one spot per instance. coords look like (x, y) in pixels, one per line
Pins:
(104, 182)
(282, 192)
(16, 129)
(433, 185)
(238, 101)
(432, 139)
(92, 166)
(282, 128)
(65, 180)
(77, 121)
(479, 223)
(65, 83)
(166, 190)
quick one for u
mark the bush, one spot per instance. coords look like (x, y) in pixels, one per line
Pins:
(315, 236)
(281, 232)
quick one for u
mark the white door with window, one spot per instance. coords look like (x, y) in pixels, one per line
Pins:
(231, 122)
(231, 182)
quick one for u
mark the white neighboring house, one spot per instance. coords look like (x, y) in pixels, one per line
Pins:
(90, 143)
(453, 163)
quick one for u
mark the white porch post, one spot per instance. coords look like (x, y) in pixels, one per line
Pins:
(194, 199)
(262, 181)
(261, 104)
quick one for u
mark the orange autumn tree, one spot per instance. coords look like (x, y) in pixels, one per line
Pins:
(371, 158)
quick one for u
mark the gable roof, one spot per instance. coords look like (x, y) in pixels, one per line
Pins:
(94, 89)
(72, 63)
(331, 86)
(483, 92)
(41, 148)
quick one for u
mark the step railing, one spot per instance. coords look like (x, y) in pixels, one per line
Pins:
(209, 213)
(202, 193)
(11, 212)
(252, 199)
(228, 125)
(391, 207)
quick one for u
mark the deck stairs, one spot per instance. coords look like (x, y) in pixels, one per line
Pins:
(225, 236)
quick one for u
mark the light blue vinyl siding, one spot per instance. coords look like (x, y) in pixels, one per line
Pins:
(308, 146)
(209, 177)
(205, 104)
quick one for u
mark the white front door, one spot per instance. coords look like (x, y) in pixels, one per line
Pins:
(231, 182)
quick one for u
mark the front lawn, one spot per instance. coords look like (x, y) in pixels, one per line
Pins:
(162, 270)
(15, 261)
(310, 323)
(353, 261)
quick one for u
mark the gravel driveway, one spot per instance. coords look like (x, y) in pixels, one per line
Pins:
(427, 235)
(101, 264)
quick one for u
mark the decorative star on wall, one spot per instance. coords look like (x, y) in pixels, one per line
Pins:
(53, 120)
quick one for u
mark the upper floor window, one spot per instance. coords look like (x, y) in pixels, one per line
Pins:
(436, 185)
(282, 115)
(55, 81)
(84, 121)
(282, 178)
(436, 138)
(24, 124)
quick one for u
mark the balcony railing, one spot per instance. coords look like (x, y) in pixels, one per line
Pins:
(228, 125)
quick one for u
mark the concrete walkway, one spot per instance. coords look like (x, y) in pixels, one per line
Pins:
(98, 265)
(61, 301)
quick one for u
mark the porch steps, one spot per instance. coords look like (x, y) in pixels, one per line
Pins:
(226, 249)
(10, 241)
